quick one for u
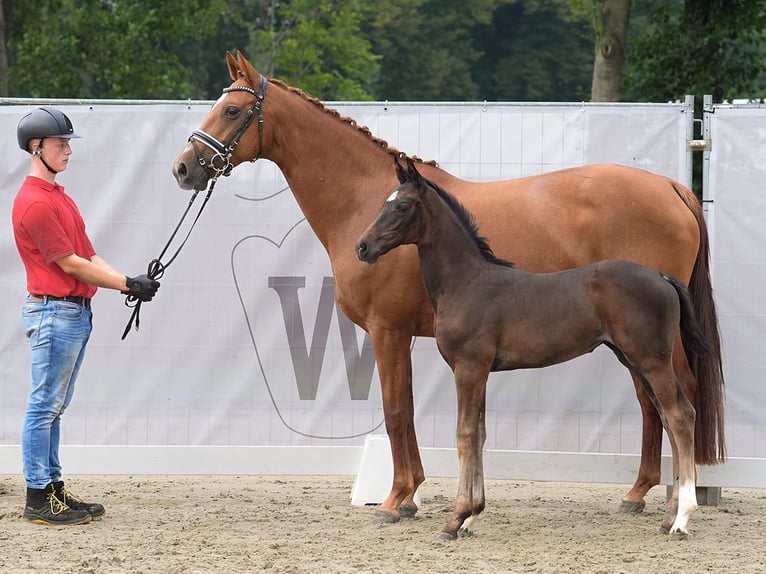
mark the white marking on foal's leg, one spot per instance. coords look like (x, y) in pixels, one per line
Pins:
(687, 504)
(467, 528)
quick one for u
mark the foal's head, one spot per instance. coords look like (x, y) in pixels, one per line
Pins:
(402, 219)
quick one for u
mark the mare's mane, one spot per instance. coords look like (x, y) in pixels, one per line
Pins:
(347, 120)
(467, 222)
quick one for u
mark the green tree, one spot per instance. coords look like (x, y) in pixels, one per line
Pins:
(609, 20)
(696, 47)
(317, 45)
(430, 48)
(106, 49)
(205, 57)
(536, 51)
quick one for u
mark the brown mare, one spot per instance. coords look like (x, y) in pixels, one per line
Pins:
(339, 174)
(491, 317)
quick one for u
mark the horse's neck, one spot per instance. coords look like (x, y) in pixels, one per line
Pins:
(337, 174)
(448, 255)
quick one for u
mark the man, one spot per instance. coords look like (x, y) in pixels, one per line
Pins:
(63, 272)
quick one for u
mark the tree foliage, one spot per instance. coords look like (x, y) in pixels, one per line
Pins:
(427, 50)
(318, 45)
(536, 51)
(108, 49)
(696, 47)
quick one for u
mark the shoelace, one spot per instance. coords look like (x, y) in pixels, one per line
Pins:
(67, 496)
(57, 506)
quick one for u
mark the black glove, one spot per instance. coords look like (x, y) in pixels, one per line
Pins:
(142, 287)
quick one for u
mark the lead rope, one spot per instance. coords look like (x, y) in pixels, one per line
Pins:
(156, 266)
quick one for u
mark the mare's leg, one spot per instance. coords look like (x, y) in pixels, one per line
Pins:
(470, 435)
(392, 354)
(651, 452)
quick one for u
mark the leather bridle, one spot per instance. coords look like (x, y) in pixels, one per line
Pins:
(222, 154)
(220, 163)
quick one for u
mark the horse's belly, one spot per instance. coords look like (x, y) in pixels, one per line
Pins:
(542, 355)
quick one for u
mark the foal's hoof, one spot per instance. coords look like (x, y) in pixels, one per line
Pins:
(447, 536)
(385, 517)
(630, 507)
(408, 510)
(678, 535)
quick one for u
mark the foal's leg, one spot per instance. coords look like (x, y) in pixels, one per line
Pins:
(678, 416)
(471, 433)
(392, 354)
(467, 528)
(649, 470)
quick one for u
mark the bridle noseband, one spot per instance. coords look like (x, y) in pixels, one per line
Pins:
(222, 153)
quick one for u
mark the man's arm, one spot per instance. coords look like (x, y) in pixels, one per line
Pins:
(95, 272)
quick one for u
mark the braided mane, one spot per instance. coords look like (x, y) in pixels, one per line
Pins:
(350, 121)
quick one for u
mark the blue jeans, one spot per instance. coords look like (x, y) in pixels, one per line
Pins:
(58, 332)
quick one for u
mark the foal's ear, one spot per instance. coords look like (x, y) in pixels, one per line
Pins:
(401, 173)
(413, 175)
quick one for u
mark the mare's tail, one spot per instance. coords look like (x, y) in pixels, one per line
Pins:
(709, 437)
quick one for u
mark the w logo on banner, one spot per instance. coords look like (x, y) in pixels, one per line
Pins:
(307, 359)
(318, 366)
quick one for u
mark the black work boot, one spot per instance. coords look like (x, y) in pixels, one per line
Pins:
(74, 502)
(45, 507)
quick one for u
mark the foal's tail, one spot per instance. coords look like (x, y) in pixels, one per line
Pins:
(695, 342)
(709, 438)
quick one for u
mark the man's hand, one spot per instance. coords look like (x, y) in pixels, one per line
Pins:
(142, 287)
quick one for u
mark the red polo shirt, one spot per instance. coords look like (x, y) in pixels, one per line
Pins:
(48, 226)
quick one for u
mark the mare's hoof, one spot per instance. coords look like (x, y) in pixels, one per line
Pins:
(408, 510)
(664, 529)
(385, 517)
(678, 535)
(630, 507)
(448, 536)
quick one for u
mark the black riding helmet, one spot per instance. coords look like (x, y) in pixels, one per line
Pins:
(43, 123)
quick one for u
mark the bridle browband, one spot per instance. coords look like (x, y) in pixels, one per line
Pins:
(223, 152)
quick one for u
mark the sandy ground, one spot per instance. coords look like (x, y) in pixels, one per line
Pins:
(300, 524)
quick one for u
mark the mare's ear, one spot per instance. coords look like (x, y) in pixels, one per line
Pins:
(401, 173)
(233, 66)
(247, 71)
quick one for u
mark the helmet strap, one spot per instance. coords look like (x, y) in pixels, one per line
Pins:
(39, 153)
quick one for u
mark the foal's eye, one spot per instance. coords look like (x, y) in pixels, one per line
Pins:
(232, 112)
(402, 207)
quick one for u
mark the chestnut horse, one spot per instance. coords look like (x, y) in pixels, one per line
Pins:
(339, 174)
(491, 317)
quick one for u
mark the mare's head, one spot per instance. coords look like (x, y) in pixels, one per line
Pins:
(232, 132)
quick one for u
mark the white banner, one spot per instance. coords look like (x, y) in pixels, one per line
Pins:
(737, 211)
(243, 344)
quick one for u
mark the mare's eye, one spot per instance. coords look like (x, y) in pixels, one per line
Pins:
(402, 207)
(232, 112)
